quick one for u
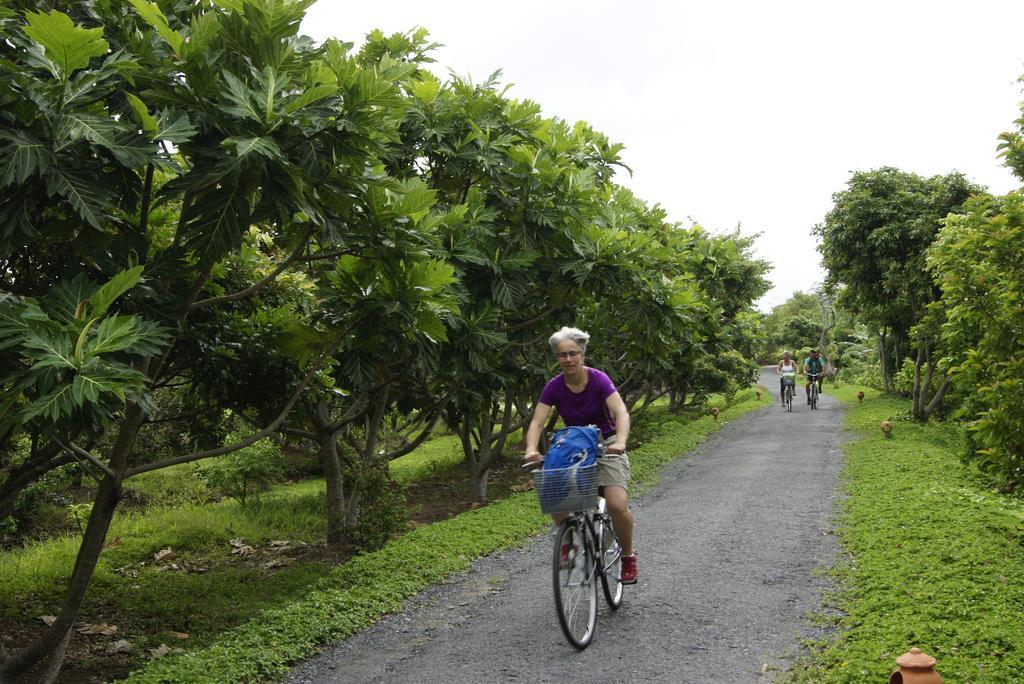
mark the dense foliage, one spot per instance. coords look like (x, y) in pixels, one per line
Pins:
(203, 213)
(932, 266)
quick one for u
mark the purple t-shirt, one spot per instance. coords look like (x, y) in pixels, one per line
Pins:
(586, 408)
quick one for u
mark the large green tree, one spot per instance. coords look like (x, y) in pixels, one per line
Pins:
(873, 246)
(255, 124)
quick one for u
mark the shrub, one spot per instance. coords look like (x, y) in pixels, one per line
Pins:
(383, 513)
(243, 473)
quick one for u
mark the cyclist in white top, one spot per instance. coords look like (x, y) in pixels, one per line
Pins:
(787, 370)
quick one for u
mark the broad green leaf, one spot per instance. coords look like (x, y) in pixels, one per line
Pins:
(240, 98)
(117, 286)
(48, 349)
(152, 15)
(128, 147)
(430, 324)
(66, 300)
(261, 146)
(101, 130)
(416, 198)
(204, 29)
(133, 150)
(53, 405)
(216, 224)
(426, 90)
(177, 131)
(13, 327)
(114, 333)
(309, 96)
(68, 46)
(271, 83)
(432, 275)
(97, 379)
(84, 195)
(147, 122)
(21, 155)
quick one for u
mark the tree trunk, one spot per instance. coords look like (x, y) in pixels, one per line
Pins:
(478, 483)
(937, 399)
(352, 510)
(327, 439)
(883, 357)
(916, 391)
(105, 503)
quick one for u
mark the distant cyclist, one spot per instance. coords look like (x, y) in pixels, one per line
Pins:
(786, 369)
(813, 365)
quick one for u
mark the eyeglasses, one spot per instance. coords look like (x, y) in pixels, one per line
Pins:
(569, 354)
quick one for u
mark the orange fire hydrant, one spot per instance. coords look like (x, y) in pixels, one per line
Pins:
(916, 667)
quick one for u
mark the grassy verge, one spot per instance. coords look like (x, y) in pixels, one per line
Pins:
(354, 595)
(199, 530)
(935, 558)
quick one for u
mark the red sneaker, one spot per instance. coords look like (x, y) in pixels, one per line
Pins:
(569, 552)
(629, 570)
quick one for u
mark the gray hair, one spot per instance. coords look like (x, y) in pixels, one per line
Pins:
(575, 334)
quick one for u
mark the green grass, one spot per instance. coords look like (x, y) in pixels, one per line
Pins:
(935, 558)
(198, 531)
(438, 454)
(357, 593)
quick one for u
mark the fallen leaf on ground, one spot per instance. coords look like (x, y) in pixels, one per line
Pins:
(120, 646)
(244, 550)
(275, 563)
(162, 650)
(100, 629)
(48, 619)
(163, 554)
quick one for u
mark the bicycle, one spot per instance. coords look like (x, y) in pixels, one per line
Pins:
(789, 381)
(813, 379)
(585, 549)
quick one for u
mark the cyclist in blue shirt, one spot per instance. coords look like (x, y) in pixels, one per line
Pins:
(814, 364)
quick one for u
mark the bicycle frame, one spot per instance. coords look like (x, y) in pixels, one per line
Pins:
(813, 379)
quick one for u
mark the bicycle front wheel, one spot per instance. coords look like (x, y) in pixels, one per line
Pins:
(575, 584)
(789, 398)
(611, 565)
(814, 398)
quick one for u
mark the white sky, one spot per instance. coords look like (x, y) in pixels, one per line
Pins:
(743, 112)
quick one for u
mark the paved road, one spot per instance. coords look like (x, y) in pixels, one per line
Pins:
(729, 544)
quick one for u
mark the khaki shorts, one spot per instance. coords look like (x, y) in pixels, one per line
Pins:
(613, 470)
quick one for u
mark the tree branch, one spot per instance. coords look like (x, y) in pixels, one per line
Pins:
(265, 432)
(262, 283)
(515, 327)
(81, 453)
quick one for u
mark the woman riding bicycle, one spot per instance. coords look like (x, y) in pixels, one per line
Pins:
(787, 375)
(587, 396)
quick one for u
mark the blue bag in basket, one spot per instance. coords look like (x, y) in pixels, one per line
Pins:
(571, 449)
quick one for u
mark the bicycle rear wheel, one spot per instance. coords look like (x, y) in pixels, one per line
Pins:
(611, 564)
(575, 584)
